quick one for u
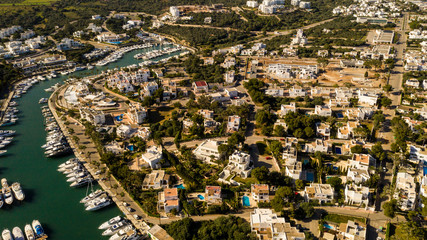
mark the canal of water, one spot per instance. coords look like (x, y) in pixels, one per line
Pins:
(48, 196)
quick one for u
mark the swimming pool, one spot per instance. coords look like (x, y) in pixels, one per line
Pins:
(246, 202)
(201, 197)
(425, 170)
(309, 176)
(328, 226)
(337, 150)
(180, 186)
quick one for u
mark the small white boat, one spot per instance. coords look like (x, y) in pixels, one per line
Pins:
(122, 233)
(6, 235)
(91, 196)
(110, 222)
(17, 191)
(17, 233)
(38, 229)
(2, 152)
(98, 203)
(8, 197)
(114, 228)
(29, 233)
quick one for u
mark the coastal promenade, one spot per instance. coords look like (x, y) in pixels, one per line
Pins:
(88, 157)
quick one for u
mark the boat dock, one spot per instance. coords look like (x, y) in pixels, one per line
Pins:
(5, 104)
(107, 185)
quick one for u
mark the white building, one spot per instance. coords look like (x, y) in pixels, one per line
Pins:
(252, 4)
(233, 123)
(321, 192)
(93, 116)
(156, 179)
(136, 113)
(417, 154)
(285, 109)
(208, 151)
(260, 192)
(405, 191)
(152, 157)
(323, 110)
(356, 195)
(367, 97)
(267, 225)
(174, 11)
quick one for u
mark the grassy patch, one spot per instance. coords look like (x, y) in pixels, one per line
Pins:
(28, 2)
(250, 180)
(336, 218)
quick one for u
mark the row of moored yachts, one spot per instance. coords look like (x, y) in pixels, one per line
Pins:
(116, 55)
(119, 229)
(6, 137)
(78, 176)
(32, 232)
(56, 142)
(157, 53)
(8, 193)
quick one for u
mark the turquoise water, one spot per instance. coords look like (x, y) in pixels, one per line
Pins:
(180, 186)
(245, 201)
(48, 196)
(328, 226)
(201, 197)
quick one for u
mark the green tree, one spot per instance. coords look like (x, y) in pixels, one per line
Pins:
(260, 173)
(390, 208)
(335, 182)
(299, 184)
(385, 101)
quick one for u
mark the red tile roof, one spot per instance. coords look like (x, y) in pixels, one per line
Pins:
(201, 83)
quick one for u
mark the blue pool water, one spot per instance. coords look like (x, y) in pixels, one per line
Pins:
(130, 147)
(328, 226)
(115, 42)
(246, 202)
(310, 176)
(339, 115)
(180, 186)
(425, 170)
(337, 150)
(119, 118)
(201, 197)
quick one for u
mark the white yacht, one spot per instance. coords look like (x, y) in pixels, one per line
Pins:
(98, 203)
(81, 182)
(17, 233)
(2, 152)
(29, 233)
(122, 233)
(92, 196)
(6, 235)
(110, 222)
(8, 197)
(38, 229)
(116, 227)
(68, 162)
(77, 176)
(17, 190)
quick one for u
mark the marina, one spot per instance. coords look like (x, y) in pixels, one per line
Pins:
(51, 191)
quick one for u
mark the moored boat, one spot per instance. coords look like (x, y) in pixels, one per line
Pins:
(114, 228)
(6, 235)
(38, 229)
(29, 233)
(17, 191)
(17, 233)
(110, 222)
(8, 197)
